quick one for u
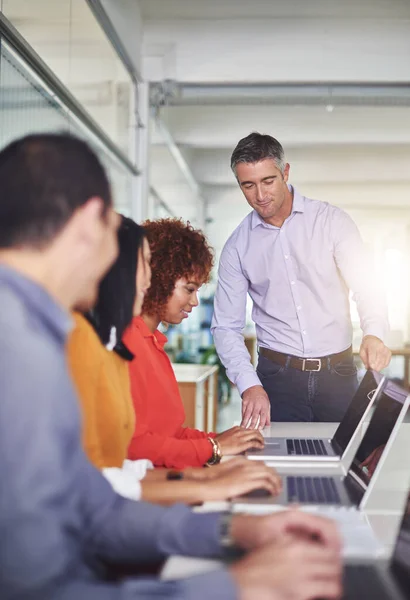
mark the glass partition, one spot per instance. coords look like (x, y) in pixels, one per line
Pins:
(27, 106)
(69, 39)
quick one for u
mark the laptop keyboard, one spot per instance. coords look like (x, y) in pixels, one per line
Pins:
(363, 581)
(299, 447)
(312, 490)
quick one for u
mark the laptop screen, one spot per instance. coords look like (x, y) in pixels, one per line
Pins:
(400, 563)
(384, 418)
(356, 410)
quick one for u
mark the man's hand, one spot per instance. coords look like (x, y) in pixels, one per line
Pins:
(250, 532)
(238, 439)
(374, 354)
(292, 568)
(255, 407)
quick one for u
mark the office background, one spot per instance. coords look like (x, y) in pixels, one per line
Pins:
(163, 90)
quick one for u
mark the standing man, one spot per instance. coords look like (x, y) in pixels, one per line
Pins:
(297, 258)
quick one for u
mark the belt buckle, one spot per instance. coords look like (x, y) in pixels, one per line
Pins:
(314, 370)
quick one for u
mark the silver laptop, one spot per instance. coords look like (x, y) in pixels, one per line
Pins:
(346, 435)
(354, 489)
(383, 582)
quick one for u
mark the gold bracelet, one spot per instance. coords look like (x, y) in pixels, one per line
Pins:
(216, 453)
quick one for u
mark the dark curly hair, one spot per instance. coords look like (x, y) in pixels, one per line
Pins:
(178, 250)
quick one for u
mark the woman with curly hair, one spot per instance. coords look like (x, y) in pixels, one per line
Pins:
(98, 361)
(181, 261)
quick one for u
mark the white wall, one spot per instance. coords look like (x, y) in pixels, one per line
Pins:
(126, 18)
(277, 50)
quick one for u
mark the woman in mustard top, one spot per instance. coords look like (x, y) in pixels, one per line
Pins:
(99, 366)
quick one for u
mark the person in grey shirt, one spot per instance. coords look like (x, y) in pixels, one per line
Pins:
(63, 529)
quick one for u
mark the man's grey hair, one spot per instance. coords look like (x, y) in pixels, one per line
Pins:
(256, 147)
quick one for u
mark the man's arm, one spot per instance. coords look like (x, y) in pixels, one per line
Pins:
(355, 266)
(124, 531)
(218, 585)
(59, 515)
(228, 323)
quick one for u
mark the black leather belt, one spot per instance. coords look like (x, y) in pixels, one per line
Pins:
(305, 364)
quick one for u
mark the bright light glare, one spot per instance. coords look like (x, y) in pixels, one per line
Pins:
(395, 273)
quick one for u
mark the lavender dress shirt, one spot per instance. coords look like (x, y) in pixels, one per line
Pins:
(298, 277)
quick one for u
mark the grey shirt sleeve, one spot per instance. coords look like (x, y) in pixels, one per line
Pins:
(60, 520)
(216, 585)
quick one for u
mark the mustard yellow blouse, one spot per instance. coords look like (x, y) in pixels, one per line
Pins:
(102, 382)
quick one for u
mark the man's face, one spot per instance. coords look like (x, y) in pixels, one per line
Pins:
(263, 186)
(103, 251)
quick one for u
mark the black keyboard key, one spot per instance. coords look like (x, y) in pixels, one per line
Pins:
(301, 447)
(327, 490)
(330, 490)
(311, 448)
(300, 489)
(291, 485)
(318, 448)
(323, 448)
(335, 493)
(313, 490)
(304, 447)
(308, 490)
(320, 497)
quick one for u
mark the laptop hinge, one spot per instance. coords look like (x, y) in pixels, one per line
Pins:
(354, 487)
(337, 449)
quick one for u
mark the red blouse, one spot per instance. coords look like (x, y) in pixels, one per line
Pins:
(159, 435)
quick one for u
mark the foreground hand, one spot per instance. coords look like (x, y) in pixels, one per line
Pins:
(243, 479)
(289, 569)
(255, 407)
(239, 439)
(249, 531)
(374, 354)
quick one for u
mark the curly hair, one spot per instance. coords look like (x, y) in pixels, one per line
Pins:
(178, 250)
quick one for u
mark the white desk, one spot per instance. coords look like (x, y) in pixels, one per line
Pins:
(383, 521)
(381, 511)
(197, 386)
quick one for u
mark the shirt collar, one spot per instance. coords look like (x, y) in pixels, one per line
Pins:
(39, 301)
(298, 205)
(147, 333)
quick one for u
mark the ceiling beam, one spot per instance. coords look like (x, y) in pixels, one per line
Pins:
(329, 94)
(178, 157)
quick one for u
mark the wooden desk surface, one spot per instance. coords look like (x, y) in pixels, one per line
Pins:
(188, 373)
